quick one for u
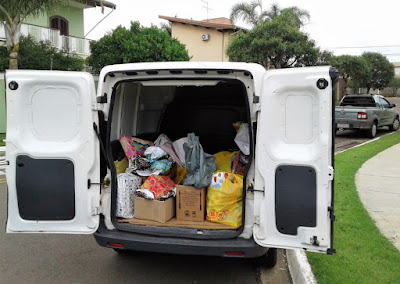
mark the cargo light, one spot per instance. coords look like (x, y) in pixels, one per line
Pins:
(361, 115)
(117, 245)
(234, 253)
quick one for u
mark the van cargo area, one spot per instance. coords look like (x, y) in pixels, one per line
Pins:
(175, 107)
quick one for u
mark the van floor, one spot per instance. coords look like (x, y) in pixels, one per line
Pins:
(205, 225)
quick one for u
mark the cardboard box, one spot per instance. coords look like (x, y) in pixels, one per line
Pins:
(160, 211)
(190, 203)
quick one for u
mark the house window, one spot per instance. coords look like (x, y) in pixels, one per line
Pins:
(59, 23)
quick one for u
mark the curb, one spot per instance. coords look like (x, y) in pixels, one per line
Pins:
(299, 267)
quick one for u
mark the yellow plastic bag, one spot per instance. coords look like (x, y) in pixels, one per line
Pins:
(224, 199)
(121, 166)
(180, 175)
(224, 161)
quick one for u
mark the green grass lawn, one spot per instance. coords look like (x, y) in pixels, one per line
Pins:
(363, 255)
(2, 136)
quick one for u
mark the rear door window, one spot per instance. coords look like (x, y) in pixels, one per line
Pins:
(358, 101)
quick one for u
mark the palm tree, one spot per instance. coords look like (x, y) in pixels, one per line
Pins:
(13, 13)
(252, 13)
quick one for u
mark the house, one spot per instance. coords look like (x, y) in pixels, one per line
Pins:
(64, 28)
(205, 40)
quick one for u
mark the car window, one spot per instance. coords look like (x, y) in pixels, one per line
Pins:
(384, 102)
(358, 101)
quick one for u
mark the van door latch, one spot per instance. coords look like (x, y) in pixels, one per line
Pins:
(105, 183)
(314, 241)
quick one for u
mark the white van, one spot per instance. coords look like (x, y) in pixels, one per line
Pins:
(58, 130)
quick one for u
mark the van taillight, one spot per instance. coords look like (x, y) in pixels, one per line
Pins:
(361, 115)
(116, 245)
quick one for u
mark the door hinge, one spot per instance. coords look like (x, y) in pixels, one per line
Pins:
(314, 241)
(331, 215)
(251, 189)
(97, 107)
(96, 211)
(105, 183)
(331, 173)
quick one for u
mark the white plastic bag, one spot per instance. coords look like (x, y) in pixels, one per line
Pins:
(242, 139)
(178, 147)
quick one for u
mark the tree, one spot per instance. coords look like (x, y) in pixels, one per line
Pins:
(137, 44)
(324, 58)
(13, 13)
(382, 71)
(394, 84)
(252, 13)
(42, 56)
(278, 42)
(353, 67)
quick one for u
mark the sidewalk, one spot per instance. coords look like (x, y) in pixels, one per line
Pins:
(378, 185)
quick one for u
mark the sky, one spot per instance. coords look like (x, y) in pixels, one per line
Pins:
(341, 26)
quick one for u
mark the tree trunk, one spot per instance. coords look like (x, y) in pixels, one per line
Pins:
(368, 88)
(13, 35)
(13, 60)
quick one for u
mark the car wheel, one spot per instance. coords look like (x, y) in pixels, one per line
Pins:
(371, 133)
(267, 260)
(395, 125)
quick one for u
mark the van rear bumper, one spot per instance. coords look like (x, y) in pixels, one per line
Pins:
(141, 242)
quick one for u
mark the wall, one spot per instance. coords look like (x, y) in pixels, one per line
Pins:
(213, 49)
(73, 15)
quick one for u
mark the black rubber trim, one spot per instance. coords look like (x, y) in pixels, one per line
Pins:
(334, 74)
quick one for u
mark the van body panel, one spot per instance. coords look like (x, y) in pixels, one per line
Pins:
(52, 151)
(293, 176)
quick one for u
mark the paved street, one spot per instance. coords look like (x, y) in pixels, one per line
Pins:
(75, 258)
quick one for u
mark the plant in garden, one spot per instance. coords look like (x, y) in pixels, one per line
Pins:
(42, 56)
(137, 44)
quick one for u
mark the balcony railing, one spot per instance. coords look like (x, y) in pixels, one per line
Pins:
(68, 43)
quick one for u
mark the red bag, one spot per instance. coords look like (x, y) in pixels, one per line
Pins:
(158, 185)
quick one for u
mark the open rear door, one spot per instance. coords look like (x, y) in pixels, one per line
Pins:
(52, 152)
(294, 160)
